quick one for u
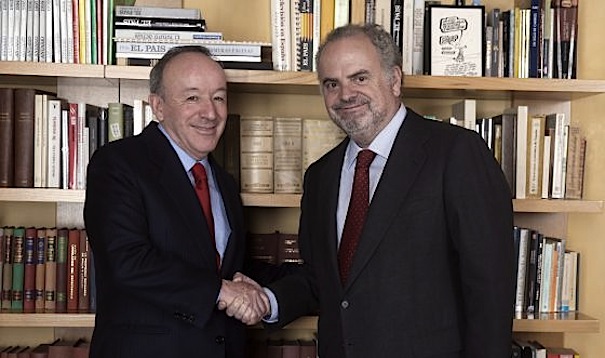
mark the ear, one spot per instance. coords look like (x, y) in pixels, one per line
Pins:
(156, 103)
(397, 80)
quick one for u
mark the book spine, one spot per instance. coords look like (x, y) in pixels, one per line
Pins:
(50, 272)
(149, 11)
(24, 137)
(83, 275)
(318, 137)
(7, 269)
(40, 262)
(256, 160)
(29, 279)
(61, 274)
(165, 35)
(53, 177)
(216, 49)
(280, 40)
(287, 155)
(7, 123)
(73, 269)
(18, 269)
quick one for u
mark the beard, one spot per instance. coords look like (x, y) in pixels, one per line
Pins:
(361, 125)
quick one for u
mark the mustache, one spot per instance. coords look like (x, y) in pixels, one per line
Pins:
(355, 101)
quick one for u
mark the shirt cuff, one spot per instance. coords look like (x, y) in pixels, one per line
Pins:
(274, 316)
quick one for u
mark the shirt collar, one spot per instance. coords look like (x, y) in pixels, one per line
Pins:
(186, 160)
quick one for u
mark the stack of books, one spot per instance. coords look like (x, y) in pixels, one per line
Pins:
(144, 34)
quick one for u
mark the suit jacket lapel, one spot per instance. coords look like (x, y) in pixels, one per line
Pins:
(178, 190)
(405, 161)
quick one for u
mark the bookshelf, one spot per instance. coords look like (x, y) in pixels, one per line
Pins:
(285, 93)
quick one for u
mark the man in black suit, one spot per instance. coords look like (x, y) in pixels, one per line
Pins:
(161, 266)
(432, 272)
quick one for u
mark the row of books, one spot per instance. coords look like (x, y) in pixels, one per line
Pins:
(57, 349)
(74, 31)
(272, 348)
(46, 270)
(533, 349)
(541, 155)
(547, 273)
(274, 152)
(47, 141)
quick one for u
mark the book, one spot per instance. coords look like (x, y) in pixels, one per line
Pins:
(520, 113)
(535, 156)
(115, 121)
(73, 270)
(287, 248)
(466, 111)
(143, 35)
(221, 49)
(566, 35)
(53, 142)
(159, 23)
(29, 275)
(18, 269)
(262, 247)
(83, 275)
(319, 136)
(522, 237)
(256, 154)
(40, 263)
(156, 11)
(287, 155)
(7, 269)
(61, 272)
(7, 123)
(24, 99)
(558, 122)
(50, 271)
(574, 175)
(281, 43)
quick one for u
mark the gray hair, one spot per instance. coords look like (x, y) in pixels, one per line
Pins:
(157, 72)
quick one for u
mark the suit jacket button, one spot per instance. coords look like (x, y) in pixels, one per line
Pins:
(219, 339)
(344, 304)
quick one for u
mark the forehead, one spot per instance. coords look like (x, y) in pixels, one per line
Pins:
(191, 65)
(351, 52)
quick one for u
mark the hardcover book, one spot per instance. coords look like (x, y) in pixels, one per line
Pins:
(7, 123)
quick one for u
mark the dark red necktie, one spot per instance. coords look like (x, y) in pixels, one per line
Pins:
(203, 194)
(356, 214)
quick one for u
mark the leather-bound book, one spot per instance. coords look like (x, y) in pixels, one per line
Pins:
(29, 280)
(7, 124)
(61, 296)
(40, 262)
(50, 271)
(73, 269)
(24, 99)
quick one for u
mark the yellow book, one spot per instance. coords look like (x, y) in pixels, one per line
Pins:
(327, 19)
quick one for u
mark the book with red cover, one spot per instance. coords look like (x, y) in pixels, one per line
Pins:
(73, 269)
(50, 271)
(61, 349)
(24, 137)
(29, 281)
(41, 350)
(308, 349)
(287, 249)
(7, 124)
(83, 265)
(61, 275)
(262, 247)
(40, 262)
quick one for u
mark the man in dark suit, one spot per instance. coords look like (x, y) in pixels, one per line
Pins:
(161, 265)
(431, 274)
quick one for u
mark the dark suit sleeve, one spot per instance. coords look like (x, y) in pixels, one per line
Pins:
(142, 258)
(479, 217)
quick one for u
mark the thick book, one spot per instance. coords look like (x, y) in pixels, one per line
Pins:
(262, 247)
(287, 249)
(287, 155)
(7, 124)
(7, 268)
(18, 269)
(576, 152)
(83, 274)
(24, 99)
(73, 269)
(29, 280)
(566, 35)
(319, 137)
(154, 11)
(256, 154)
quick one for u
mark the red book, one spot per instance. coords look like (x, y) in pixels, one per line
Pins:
(73, 269)
(7, 123)
(29, 282)
(84, 264)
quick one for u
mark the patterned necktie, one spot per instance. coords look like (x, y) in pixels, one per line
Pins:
(203, 195)
(356, 214)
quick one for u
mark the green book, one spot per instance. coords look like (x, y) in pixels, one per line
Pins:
(61, 295)
(18, 269)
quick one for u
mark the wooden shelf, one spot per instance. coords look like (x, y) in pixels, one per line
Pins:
(306, 82)
(293, 200)
(571, 322)
(51, 69)
(47, 320)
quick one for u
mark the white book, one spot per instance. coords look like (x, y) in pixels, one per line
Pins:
(319, 136)
(295, 34)
(16, 48)
(87, 31)
(53, 170)
(522, 263)
(69, 31)
(23, 31)
(64, 149)
(29, 31)
(417, 52)
(341, 12)
(3, 30)
(64, 29)
(36, 32)
(10, 38)
(573, 284)
(545, 277)
(105, 31)
(559, 121)
(466, 111)
(546, 174)
(316, 30)
(280, 40)
(146, 35)
(407, 35)
(256, 154)
(382, 11)
(521, 113)
(139, 113)
(154, 11)
(535, 157)
(57, 33)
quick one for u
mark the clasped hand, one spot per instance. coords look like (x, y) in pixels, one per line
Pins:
(243, 299)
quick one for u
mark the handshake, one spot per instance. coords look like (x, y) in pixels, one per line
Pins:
(243, 299)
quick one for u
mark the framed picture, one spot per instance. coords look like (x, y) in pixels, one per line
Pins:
(455, 40)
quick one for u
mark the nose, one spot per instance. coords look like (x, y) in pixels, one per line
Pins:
(207, 109)
(346, 92)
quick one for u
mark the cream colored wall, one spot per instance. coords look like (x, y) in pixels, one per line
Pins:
(586, 231)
